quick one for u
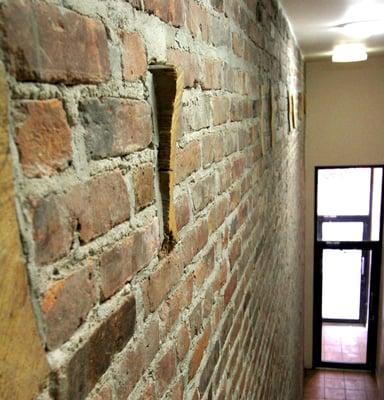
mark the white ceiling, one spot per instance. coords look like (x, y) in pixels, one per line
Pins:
(311, 21)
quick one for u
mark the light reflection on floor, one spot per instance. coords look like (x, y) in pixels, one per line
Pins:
(344, 343)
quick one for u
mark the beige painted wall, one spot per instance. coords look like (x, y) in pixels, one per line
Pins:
(345, 126)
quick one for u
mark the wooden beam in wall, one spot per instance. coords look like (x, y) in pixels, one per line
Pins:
(23, 363)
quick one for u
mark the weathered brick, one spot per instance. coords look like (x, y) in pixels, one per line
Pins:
(65, 305)
(203, 192)
(91, 360)
(165, 370)
(188, 63)
(204, 267)
(217, 214)
(95, 207)
(43, 137)
(237, 44)
(120, 264)
(137, 359)
(213, 71)
(188, 160)
(234, 252)
(231, 287)
(148, 392)
(183, 342)
(134, 59)
(99, 204)
(194, 240)
(198, 21)
(177, 392)
(196, 320)
(143, 182)
(50, 44)
(198, 353)
(162, 280)
(220, 109)
(52, 229)
(168, 10)
(182, 211)
(212, 148)
(115, 127)
(209, 368)
(174, 305)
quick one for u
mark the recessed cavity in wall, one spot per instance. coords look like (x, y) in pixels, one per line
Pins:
(167, 89)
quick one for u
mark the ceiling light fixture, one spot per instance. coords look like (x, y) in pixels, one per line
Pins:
(351, 52)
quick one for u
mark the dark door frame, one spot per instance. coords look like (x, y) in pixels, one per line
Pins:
(376, 248)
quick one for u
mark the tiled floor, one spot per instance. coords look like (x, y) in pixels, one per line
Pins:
(339, 385)
(344, 343)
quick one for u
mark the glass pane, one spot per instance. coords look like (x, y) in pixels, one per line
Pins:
(341, 284)
(343, 280)
(376, 203)
(342, 231)
(344, 191)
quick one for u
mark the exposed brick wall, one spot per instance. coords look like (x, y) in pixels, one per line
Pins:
(220, 316)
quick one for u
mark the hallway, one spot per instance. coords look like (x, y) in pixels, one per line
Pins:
(339, 385)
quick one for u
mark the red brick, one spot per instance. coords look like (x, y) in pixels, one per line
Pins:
(66, 304)
(203, 192)
(99, 204)
(198, 21)
(182, 211)
(213, 71)
(174, 305)
(225, 177)
(183, 342)
(121, 263)
(230, 288)
(115, 127)
(204, 268)
(221, 277)
(238, 166)
(213, 149)
(43, 137)
(50, 44)
(168, 10)
(92, 359)
(52, 229)
(137, 359)
(148, 392)
(188, 160)
(196, 320)
(194, 241)
(177, 393)
(217, 214)
(237, 44)
(198, 353)
(188, 63)
(158, 285)
(220, 110)
(143, 182)
(134, 59)
(234, 252)
(165, 370)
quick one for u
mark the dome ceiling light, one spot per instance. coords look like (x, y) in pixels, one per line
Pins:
(351, 52)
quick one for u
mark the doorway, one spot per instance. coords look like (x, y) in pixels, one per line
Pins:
(348, 237)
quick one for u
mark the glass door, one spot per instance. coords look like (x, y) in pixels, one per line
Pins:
(347, 266)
